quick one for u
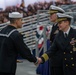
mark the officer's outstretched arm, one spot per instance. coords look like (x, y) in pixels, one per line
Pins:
(50, 53)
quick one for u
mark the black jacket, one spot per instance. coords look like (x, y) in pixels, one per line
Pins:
(64, 51)
(10, 45)
(53, 34)
(54, 31)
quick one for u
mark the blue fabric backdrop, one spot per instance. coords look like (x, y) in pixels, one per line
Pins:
(43, 69)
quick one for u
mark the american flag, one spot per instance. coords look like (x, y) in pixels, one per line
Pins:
(39, 32)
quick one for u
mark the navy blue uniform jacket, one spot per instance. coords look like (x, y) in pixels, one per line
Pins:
(62, 48)
(10, 46)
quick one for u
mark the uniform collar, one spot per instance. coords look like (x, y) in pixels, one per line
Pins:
(55, 24)
(67, 32)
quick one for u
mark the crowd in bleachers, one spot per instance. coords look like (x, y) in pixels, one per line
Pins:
(30, 10)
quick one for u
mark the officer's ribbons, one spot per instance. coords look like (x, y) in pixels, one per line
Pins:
(72, 42)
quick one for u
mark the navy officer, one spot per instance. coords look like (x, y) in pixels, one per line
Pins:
(64, 45)
(53, 10)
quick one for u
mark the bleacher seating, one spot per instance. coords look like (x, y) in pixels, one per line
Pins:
(30, 26)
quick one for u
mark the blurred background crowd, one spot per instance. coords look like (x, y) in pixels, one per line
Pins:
(31, 9)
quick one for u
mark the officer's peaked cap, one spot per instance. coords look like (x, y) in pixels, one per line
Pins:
(15, 15)
(55, 9)
(62, 17)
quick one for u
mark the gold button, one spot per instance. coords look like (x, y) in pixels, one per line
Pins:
(66, 64)
(70, 51)
(65, 59)
(64, 53)
(71, 58)
(72, 64)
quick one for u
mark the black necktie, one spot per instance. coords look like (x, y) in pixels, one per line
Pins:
(65, 35)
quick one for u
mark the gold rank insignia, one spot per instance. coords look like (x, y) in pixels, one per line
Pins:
(56, 31)
(45, 56)
(73, 41)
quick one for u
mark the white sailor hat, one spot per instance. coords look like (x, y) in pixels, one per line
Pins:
(63, 17)
(55, 9)
(15, 15)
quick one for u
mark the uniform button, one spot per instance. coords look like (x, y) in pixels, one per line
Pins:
(71, 58)
(65, 59)
(73, 65)
(70, 51)
(64, 53)
(66, 64)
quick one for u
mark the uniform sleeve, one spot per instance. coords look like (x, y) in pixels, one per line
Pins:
(51, 52)
(22, 48)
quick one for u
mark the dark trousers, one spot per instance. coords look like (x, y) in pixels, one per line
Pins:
(56, 71)
(1, 73)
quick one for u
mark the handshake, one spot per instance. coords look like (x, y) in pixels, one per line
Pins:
(39, 61)
(42, 59)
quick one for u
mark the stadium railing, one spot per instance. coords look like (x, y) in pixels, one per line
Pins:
(30, 27)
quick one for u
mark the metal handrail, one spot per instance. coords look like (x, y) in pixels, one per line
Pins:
(30, 26)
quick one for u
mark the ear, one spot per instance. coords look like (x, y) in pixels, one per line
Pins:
(15, 22)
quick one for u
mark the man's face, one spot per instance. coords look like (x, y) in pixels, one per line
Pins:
(63, 25)
(53, 17)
